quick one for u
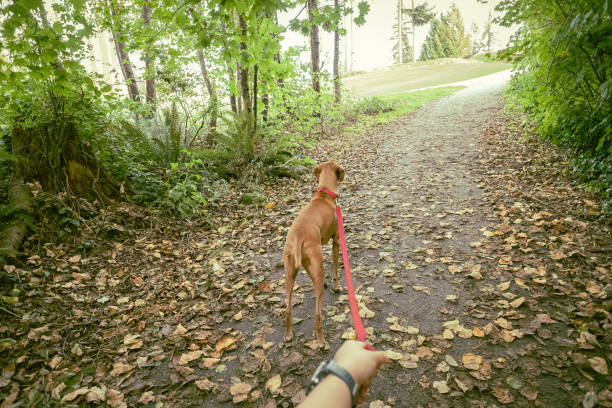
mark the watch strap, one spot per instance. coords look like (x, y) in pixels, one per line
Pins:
(335, 369)
(330, 367)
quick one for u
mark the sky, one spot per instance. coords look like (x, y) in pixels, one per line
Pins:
(371, 43)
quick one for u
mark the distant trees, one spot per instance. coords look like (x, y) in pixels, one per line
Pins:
(488, 35)
(447, 37)
(419, 16)
(400, 38)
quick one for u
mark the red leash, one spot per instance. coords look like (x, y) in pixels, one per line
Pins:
(359, 329)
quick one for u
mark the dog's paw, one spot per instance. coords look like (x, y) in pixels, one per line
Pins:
(288, 337)
(337, 289)
(324, 346)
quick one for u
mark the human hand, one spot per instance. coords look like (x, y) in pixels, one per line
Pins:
(362, 364)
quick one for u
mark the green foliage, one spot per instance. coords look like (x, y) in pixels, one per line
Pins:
(374, 106)
(447, 37)
(187, 190)
(564, 66)
(421, 14)
(406, 47)
(595, 169)
(238, 139)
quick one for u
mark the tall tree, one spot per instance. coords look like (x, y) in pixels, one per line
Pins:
(230, 71)
(476, 44)
(313, 9)
(212, 95)
(406, 50)
(119, 36)
(400, 11)
(419, 16)
(336, 68)
(488, 35)
(244, 68)
(150, 92)
(447, 37)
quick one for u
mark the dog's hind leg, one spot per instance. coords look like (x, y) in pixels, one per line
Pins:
(314, 266)
(335, 251)
(290, 274)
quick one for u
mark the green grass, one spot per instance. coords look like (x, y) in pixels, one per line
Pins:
(404, 103)
(405, 77)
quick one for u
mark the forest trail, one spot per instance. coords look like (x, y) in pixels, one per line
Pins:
(477, 264)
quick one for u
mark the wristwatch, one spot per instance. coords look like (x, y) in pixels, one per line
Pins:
(330, 367)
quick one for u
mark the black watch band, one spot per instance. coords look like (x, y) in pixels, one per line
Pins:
(330, 367)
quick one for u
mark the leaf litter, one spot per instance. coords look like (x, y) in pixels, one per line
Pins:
(487, 285)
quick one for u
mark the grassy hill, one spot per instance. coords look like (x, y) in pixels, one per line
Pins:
(406, 77)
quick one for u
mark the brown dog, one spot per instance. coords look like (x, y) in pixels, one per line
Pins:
(312, 228)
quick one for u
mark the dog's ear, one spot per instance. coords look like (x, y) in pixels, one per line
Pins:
(339, 173)
(317, 171)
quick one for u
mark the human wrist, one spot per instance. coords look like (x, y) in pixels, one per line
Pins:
(353, 371)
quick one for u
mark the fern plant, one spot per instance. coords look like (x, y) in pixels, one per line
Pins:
(238, 138)
(170, 145)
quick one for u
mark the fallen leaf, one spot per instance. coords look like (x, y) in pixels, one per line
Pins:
(441, 386)
(516, 303)
(114, 399)
(121, 368)
(273, 384)
(226, 343)
(451, 361)
(502, 394)
(210, 362)
(179, 331)
(96, 394)
(503, 286)
(204, 384)
(471, 361)
(447, 334)
(557, 255)
(146, 397)
(71, 396)
(599, 365)
(192, 355)
(393, 355)
(240, 391)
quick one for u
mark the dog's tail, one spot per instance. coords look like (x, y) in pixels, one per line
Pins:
(293, 253)
(297, 253)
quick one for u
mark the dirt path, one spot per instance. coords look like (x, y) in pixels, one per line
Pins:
(478, 264)
(459, 279)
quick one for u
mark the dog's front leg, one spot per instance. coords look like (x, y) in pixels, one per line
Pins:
(335, 251)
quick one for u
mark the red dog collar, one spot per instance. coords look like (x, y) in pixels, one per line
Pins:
(323, 190)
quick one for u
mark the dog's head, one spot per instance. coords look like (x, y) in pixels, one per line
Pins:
(329, 172)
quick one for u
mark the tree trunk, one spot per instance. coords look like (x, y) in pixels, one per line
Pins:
(212, 125)
(336, 60)
(54, 154)
(413, 28)
(314, 45)
(399, 31)
(151, 96)
(255, 99)
(230, 73)
(265, 98)
(239, 80)
(15, 231)
(124, 58)
(244, 71)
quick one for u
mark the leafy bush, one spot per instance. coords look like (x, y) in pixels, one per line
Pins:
(596, 171)
(374, 106)
(564, 66)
